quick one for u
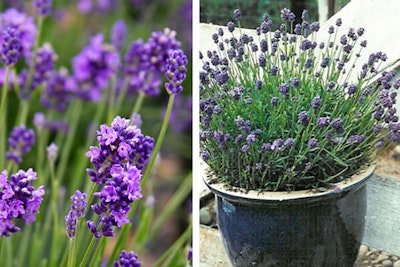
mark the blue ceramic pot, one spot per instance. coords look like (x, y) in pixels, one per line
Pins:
(301, 228)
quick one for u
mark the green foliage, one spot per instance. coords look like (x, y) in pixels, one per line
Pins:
(292, 116)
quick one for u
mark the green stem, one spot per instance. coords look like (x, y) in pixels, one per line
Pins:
(65, 152)
(54, 189)
(159, 142)
(71, 252)
(88, 252)
(122, 94)
(3, 119)
(111, 100)
(99, 251)
(138, 103)
(1, 244)
(180, 242)
(4, 94)
(178, 197)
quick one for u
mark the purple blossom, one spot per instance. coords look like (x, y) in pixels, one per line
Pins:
(323, 122)
(44, 68)
(18, 200)
(231, 26)
(316, 102)
(355, 139)
(127, 259)
(77, 210)
(277, 145)
(205, 155)
(237, 14)
(138, 67)
(56, 94)
(160, 45)
(52, 152)
(284, 90)
(92, 69)
(289, 142)
(175, 71)
(20, 142)
(10, 49)
(287, 15)
(43, 7)
(40, 122)
(121, 132)
(12, 18)
(312, 143)
(118, 35)
(304, 118)
(352, 89)
(122, 153)
(251, 138)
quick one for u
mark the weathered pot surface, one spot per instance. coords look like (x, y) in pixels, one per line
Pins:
(300, 228)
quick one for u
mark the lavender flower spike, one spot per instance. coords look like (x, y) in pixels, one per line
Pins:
(118, 35)
(78, 209)
(18, 200)
(122, 153)
(10, 49)
(43, 7)
(20, 142)
(175, 71)
(127, 259)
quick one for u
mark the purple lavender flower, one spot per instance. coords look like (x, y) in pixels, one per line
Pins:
(26, 26)
(352, 89)
(18, 200)
(127, 259)
(316, 102)
(287, 15)
(284, 90)
(122, 153)
(355, 139)
(138, 66)
(289, 142)
(43, 7)
(160, 44)
(10, 49)
(56, 94)
(20, 142)
(304, 118)
(84, 6)
(237, 14)
(323, 122)
(175, 72)
(337, 124)
(92, 69)
(231, 26)
(277, 145)
(312, 143)
(52, 152)
(205, 155)
(118, 35)
(78, 209)
(44, 68)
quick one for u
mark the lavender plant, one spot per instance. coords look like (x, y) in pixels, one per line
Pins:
(78, 145)
(281, 111)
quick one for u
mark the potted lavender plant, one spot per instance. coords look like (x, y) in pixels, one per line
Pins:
(290, 137)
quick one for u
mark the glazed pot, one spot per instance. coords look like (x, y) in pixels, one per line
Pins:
(300, 228)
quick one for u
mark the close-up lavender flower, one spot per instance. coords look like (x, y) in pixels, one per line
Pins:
(11, 46)
(19, 200)
(20, 142)
(69, 69)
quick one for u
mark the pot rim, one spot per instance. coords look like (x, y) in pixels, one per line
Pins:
(237, 193)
